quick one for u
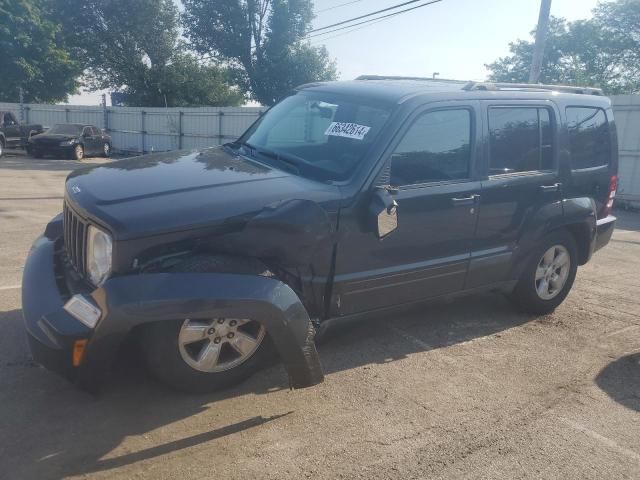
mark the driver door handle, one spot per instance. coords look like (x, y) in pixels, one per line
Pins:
(471, 200)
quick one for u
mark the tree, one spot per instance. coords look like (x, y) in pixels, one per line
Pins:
(603, 51)
(34, 55)
(262, 40)
(134, 46)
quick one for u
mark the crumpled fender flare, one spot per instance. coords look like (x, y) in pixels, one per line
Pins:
(129, 301)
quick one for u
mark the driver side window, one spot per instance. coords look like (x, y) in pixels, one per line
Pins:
(436, 148)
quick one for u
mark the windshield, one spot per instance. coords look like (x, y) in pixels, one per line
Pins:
(65, 129)
(321, 136)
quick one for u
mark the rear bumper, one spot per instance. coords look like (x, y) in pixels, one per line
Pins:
(604, 230)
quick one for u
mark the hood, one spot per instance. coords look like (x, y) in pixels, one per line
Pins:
(175, 191)
(52, 137)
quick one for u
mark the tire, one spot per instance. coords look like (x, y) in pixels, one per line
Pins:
(78, 152)
(1, 148)
(176, 362)
(106, 150)
(532, 294)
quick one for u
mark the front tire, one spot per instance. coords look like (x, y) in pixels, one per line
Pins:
(78, 152)
(205, 355)
(549, 274)
(106, 150)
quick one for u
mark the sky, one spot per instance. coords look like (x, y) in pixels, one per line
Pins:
(454, 37)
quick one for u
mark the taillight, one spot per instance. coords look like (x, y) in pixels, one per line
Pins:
(611, 196)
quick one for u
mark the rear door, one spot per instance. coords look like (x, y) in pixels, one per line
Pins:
(432, 172)
(522, 185)
(593, 151)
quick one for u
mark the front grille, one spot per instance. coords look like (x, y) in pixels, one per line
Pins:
(75, 239)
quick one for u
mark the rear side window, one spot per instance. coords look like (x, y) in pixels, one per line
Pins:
(589, 138)
(521, 140)
(437, 147)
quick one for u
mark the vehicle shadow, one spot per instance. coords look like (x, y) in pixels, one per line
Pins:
(621, 381)
(52, 430)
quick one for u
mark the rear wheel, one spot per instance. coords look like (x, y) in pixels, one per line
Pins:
(549, 275)
(78, 152)
(1, 148)
(106, 150)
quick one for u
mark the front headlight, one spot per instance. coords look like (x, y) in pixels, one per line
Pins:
(99, 251)
(67, 143)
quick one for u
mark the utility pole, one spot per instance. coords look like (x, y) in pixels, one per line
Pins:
(541, 38)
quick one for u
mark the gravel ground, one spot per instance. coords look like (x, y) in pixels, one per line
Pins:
(469, 389)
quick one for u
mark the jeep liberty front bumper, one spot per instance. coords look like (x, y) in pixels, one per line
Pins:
(128, 301)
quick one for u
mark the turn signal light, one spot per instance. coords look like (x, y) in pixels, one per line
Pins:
(78, 351)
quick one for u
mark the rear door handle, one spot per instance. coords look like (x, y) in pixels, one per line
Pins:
(551, 188)
(465, 200)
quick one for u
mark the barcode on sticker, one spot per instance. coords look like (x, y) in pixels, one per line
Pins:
(348, 130)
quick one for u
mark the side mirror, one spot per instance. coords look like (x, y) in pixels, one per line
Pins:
(383, 212)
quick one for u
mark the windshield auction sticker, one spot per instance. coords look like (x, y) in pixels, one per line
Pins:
(348, 130)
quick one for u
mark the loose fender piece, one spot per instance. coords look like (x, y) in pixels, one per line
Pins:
(129, 301)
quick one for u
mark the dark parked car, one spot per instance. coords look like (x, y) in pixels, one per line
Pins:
(343, 199)
(13, 134)
(70, 140)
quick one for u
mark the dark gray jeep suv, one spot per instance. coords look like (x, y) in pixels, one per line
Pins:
(343, 199)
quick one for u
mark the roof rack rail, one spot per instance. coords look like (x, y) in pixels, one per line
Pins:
(496, 86)
(391, 77)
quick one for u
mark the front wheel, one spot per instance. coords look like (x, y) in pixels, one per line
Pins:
(549, 275)
(106, 150)
(78, 152)
(205, 355)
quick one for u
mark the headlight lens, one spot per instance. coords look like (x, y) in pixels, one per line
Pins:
(99, 253)
(67, 143)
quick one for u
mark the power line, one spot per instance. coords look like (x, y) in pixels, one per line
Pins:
(366, 15)
(339, 6)
(373, 20)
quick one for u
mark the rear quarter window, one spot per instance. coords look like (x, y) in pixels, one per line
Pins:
(589, 137)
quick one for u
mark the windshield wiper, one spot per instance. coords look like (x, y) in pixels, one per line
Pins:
(291, 162)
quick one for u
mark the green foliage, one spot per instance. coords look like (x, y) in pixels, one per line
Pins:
(262, 40)
(134, 46)
(603, 51)
(33, 54)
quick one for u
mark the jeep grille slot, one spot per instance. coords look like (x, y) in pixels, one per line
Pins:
(75, 239)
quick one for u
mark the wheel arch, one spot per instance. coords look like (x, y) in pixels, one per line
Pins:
(133, 300)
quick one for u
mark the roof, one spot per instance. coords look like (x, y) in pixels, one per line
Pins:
(397, 89)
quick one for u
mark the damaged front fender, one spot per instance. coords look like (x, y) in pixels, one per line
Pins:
(129, 301)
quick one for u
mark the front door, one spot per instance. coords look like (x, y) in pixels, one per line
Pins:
(12, 130)
(431, 170)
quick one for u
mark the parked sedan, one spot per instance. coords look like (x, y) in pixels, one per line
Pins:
(74, 140)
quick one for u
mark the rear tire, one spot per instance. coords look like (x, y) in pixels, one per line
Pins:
(548, 275)
(175, 350)
(1, 148)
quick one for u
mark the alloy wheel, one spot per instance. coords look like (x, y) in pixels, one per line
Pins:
(552, 272)
(219, 344)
